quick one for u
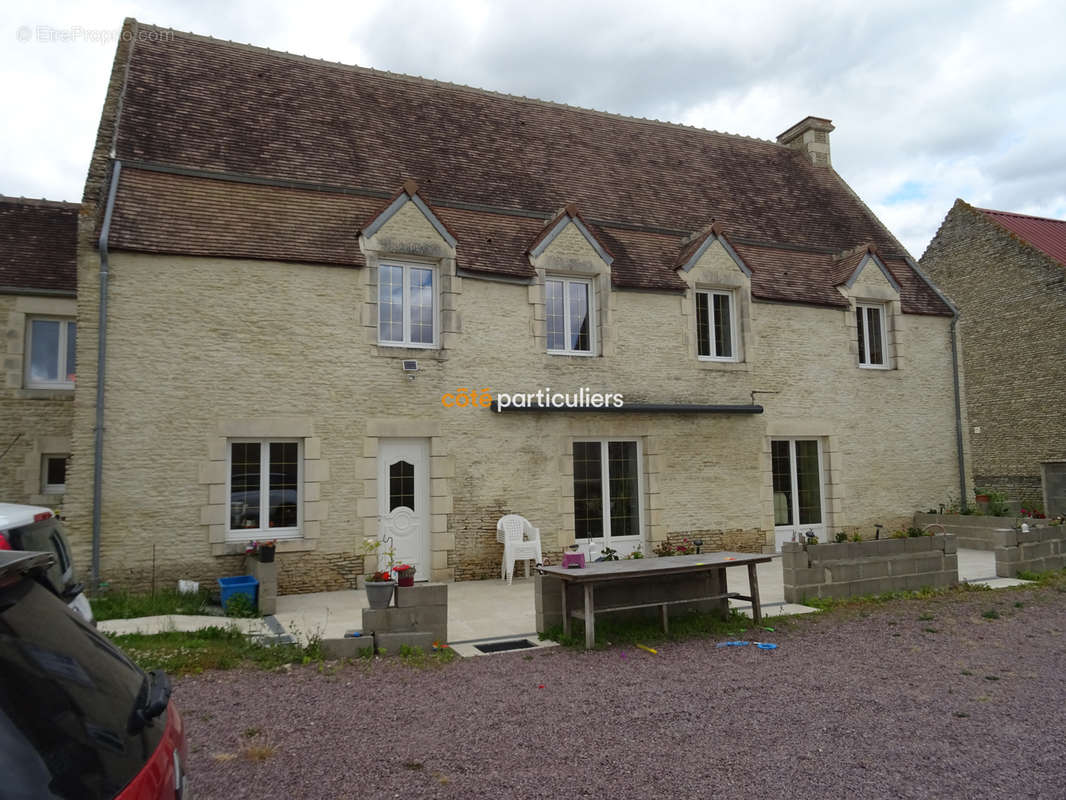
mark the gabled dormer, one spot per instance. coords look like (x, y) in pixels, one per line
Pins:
(411, 285)
(874, 316)
(717, 306)
(571, 295)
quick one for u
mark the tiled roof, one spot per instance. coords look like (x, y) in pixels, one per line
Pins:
(1046, 235)
(339, 140)
(38, 244)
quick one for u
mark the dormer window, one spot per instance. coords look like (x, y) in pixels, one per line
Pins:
(569, 304)
(716, 326)
(407, 305)
(870, 319)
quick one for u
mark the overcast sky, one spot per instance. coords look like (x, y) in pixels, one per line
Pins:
(931, 101)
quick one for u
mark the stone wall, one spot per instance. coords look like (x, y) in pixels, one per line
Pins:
(33, 422)
(202, 349)
(1007, 292)
(858, 569)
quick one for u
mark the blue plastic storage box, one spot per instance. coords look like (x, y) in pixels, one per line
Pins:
(242, 584)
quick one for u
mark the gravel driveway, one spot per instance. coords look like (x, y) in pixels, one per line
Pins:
(857, 704)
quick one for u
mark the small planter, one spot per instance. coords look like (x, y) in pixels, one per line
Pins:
(406, 578)
(982, 498)
(379, 593)
(266, 554)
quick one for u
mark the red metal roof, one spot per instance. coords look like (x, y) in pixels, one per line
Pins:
(1046, 235)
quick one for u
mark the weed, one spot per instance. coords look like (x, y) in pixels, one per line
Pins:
(991, 677)
(930, 630)
(991, 614)
(123, 605)
(418, 658)
(258, 752)
(1019, 604)
(926, 616)
(251, 733)
(966, 672)
(685, 626)
(413, 765)
(191, 652)
(961, 714)
(240, 605)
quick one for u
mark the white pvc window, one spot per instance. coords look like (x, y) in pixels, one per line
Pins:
(407, 305)
(264, 485)
(873, 336)
(569, 310)
(716, 326)
(50, 351)
(607, 489)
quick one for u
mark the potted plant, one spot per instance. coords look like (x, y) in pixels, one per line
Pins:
(981, 495)
(379, 588)
(264, 550)
(405, 575)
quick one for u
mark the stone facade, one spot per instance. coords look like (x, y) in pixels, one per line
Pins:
(34, 423)
(203, 349)
(1012, 298)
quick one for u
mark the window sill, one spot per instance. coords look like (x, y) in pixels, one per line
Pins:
(237, 548)
(577, 353)
(408, 346)
(876, 367)
(402, 351)
(45, 394)
(723, 366)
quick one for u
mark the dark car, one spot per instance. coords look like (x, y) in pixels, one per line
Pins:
(37, 528)
(78, 719)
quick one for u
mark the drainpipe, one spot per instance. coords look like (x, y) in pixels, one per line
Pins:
(101, 364)
(959, 453)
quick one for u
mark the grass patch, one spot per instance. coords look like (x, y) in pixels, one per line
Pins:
(990, 614)
(640, 631)
(418, 658)
(123, 605)
(190, 652)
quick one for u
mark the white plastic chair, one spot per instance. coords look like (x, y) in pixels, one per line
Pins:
(520, 540)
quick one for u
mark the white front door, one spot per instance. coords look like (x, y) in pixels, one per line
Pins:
(799, 504)
(403, 501)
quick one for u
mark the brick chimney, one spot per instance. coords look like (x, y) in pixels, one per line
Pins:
(811, 137)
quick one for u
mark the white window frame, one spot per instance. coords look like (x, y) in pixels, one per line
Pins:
(733, 328)
(605, 477)
(862, 310)
(566, 281)
(264, 532)
(61, 356)
(407, 266)
(53, 488)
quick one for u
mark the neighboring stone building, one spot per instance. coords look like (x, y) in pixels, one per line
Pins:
(37, 317)
(312, 266)
(1006, 274)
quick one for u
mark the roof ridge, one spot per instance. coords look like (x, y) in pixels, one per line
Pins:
(418, 79)
(38, 201)
(1016, 214)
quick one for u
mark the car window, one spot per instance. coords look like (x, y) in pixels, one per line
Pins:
(67, 696)
(47, 536)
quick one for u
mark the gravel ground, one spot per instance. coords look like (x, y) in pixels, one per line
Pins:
(859, 704)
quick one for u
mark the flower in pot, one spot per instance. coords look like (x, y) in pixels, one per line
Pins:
(264, 550)
(379, 588)
(405, 575)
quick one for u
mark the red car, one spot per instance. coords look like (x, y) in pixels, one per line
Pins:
(78, 719)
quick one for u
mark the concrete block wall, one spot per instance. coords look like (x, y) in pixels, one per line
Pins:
(1039, 550)
(970, 531)
(267, 575)
(418, 617)
(857, 569)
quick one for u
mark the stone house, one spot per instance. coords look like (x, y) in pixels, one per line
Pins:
(1007, 274)
(37, 318)
(318, 276)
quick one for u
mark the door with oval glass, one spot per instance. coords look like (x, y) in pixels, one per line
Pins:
(798, 494)
(403, 501)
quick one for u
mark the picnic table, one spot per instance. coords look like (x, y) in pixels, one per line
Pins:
(643, 569)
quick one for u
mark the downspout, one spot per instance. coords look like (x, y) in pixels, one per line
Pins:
(959, 452)
(101, 365)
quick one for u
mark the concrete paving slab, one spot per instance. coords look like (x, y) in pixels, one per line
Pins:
(182, 622)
